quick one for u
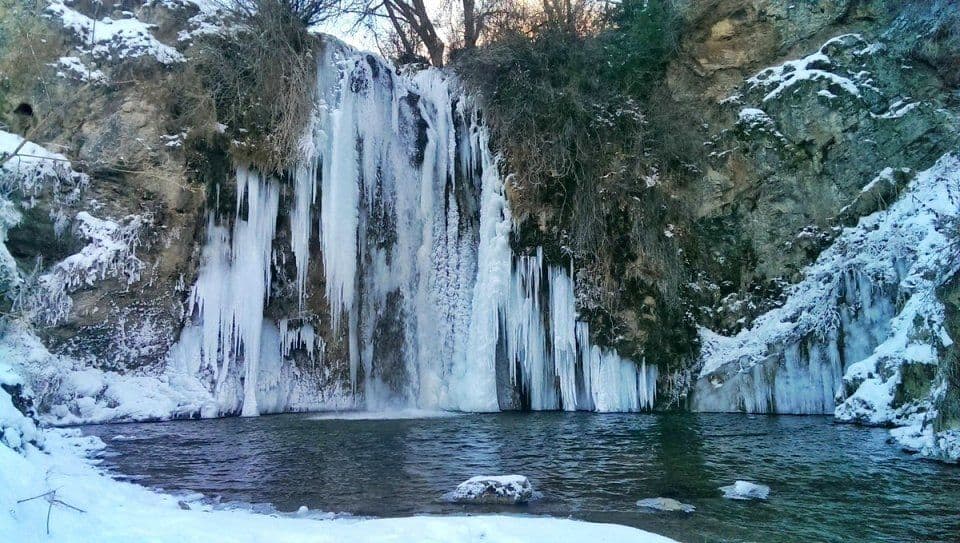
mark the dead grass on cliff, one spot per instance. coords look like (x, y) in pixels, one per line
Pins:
(259, 79)
(27, 47)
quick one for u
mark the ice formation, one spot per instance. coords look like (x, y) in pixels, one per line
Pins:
(398, 188)
(668, 505)
(866, 309)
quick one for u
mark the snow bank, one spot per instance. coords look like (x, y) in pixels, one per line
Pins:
(919, 437)
(74, 393)
(16, 430)
(493, 489)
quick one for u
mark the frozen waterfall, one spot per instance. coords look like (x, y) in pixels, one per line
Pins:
(865, 310)
(399, 204)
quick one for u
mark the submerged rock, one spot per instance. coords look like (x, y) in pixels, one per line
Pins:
(743, 490)
(665, 504)
(498, 489)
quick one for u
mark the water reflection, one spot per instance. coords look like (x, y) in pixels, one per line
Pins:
(829, 482)
(678, 454)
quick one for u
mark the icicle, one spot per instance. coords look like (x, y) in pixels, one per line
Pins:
(230, 293)
(563, 329)
(304, 178)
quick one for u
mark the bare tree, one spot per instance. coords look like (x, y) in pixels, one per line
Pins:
(570, 16)
(418, 28)
(307, 12)
(409, 19)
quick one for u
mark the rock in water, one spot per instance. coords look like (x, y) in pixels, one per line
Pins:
(499, 489)
(743, 490)
(666, 504)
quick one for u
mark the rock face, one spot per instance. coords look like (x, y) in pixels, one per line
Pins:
(668, 505)
(135, 183)
(803, 105)
(494, 490)
(743, 490)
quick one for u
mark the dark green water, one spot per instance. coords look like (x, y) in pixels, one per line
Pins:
(828, 482)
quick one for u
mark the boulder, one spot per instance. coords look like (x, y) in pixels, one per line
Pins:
(669, 505)
(498, 489)
(743, 490)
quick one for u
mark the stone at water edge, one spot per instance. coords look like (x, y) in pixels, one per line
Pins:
(498, 490)
(665, 504)
(744, 490)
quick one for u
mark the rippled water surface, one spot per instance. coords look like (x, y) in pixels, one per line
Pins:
(829, 482)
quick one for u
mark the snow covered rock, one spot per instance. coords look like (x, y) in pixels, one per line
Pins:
(744, 490)
(16, 428)
(668, 505)
(494, 489)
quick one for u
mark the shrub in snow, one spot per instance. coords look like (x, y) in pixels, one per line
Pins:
(109, 253)
(27, 169)
(501, 490)
(743, 490)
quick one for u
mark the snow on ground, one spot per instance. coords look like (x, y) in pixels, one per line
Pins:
(114, 39)
(74, 68)
(85, 505)
(818, 66)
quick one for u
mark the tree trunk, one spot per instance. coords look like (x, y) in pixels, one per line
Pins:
(470, 30)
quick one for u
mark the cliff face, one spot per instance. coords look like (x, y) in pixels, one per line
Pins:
(95, 95)
(803, 104)
(828, 132)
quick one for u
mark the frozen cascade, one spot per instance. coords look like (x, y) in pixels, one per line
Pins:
(803, 373)
(228, 299)
(866, 308)
(399, 194)
(554, 360)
